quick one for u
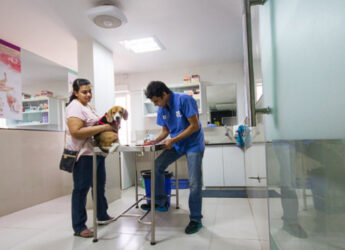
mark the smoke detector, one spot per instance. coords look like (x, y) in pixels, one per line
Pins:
(107, 16)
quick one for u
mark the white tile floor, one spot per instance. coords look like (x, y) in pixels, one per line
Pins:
(228, 224)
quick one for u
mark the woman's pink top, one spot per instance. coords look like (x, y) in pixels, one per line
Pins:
(89, 117)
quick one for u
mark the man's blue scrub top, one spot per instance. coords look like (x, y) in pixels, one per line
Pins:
(182, 107)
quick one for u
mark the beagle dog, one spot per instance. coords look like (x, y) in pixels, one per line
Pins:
(110, 138)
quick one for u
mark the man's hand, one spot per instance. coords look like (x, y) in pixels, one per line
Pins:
(168, 143)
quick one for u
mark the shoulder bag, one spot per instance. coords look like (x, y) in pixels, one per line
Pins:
(69, 158)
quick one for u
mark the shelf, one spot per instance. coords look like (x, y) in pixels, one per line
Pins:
(184, 85)
(36, 99)
(151, 115)
(31, 124)
(38, 111)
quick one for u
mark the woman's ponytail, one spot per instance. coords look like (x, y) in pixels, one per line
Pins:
(76, 86)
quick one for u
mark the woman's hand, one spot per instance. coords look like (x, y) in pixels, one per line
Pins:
(107, 127)
(78, 131)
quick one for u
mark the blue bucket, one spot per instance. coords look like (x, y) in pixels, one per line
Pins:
(146, 174)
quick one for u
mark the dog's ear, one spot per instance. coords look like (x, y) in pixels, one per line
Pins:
(109, 116)
(125, 114)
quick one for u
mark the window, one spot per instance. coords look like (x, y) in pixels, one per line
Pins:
(123, 99)
(3, 123)
(258, 90)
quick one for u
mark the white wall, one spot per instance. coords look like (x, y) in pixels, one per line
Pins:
(103, 66)
(215, 74)
(60, 89)
(95, 63)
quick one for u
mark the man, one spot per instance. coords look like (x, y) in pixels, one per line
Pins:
(178, 115)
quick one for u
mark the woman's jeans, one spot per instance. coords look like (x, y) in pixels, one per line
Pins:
(82, 178)
(194, 160)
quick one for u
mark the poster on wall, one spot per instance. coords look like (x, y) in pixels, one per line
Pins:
(10, 82)
(72, 75)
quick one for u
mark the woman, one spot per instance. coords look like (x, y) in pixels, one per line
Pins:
(80, 119)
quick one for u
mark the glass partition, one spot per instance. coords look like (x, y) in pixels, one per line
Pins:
(310, 212)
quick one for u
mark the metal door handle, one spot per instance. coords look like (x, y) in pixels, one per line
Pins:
(266, 110)
(257, 178)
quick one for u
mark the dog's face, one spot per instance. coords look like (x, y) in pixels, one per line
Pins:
(116, 113)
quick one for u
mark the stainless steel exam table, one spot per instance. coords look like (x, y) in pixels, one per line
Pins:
(152, 149)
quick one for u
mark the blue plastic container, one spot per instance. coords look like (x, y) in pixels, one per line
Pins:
(147, 180)
(182, 184)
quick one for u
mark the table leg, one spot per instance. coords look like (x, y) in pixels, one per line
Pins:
(153, 193)
(94, 174)
(176, 181)
(136, 180)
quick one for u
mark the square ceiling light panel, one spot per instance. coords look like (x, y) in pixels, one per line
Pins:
(142, 45)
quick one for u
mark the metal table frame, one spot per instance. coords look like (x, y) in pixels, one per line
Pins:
(134, 149)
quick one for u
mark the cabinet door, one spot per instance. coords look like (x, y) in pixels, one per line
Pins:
(233, 162)
(213, 167)
(255, 158)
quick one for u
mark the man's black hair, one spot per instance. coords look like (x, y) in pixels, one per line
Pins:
(156, 88)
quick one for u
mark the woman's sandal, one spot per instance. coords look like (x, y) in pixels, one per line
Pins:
(86, 233)
(105, 222)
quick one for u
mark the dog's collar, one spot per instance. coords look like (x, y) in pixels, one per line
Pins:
(100, 121)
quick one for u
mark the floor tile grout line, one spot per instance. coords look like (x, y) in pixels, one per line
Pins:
(253, 217)
(212, 233)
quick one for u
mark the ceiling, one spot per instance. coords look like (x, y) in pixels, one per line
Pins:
(194, 32)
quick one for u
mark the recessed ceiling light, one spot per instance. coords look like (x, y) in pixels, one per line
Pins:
(142, 45)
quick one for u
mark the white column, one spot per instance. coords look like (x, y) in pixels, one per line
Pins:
(95, 63)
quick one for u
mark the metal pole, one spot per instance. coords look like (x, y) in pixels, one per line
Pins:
(176, 182)
(136, 180)
(94, 174)
(153, 198)
(250, 64)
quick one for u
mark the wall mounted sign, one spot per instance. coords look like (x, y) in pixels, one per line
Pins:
(10, 81)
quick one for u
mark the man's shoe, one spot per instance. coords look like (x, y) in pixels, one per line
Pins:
(193, 227)
(295, 230)
(147, 207)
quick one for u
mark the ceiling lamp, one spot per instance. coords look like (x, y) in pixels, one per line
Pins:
(107, 16)
(142, 45)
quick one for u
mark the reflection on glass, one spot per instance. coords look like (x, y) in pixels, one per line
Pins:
(221, 105)
(309, 174)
